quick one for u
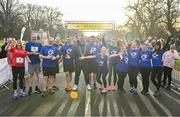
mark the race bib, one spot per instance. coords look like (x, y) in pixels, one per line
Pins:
(19, 60)
(34, 49)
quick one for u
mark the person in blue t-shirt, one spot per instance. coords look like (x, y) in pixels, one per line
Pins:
(122, 68)
(34, 68)
(113, 49)
(68, 62)
(49, 56)
(58, 46)
(92, 48)
(133, 65)
(102, 70)
(145, 67)
(158, 64)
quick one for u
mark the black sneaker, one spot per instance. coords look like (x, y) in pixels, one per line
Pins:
(146, 93)
(55, 88)
(51, 91)
(94, 85)
(143, 92)
(168, 87)
(37, 90)
(30, 91)
(156, 93)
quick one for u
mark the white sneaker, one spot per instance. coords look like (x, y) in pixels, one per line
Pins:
(15, 95)
(75, 87)
(88, 87)
(22, 94)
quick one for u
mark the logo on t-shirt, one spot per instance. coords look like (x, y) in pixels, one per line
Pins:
(19, 60)
(126, 60)
(101, 63)
(93, 50)
(34, 49)
(133, 54)
(155, 56)
(144, 57)
(50, 52)
(69, 51)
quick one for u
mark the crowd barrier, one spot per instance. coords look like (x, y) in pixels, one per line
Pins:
(176, 74)
(5, 73)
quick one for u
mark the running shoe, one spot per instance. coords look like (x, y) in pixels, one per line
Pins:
(143, 92)
(22, 94)
(15, 96)
(156, 93)
(44, 93)
(55, 88)
(146, 93)
(75, 88)
(113, 88)
(30, 91)
(135, 91)
(104, 91)
(88, 87)
(37, 90)
(51, 91)
(131, 89)
(109, 88)
(101, 87)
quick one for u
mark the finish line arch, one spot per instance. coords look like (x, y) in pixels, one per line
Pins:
(89, 26)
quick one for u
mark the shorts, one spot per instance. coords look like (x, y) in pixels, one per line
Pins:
(49, 71)
(92, 67)
(68, 67)
(34, 68)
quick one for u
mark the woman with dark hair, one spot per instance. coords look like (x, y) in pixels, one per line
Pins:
(157, 64)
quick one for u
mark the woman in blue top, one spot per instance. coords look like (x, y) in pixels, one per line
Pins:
(145, 67)
(157, 64)
(102, 70)
(122, 69)
(133, 64)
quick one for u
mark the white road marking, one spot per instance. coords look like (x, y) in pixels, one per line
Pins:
(88, 104)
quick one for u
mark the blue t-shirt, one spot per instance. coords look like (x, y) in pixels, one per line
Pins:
(51, 51)
(101, 62)
(157, 59)
(66, 50)
(145, 59)
(58, 47)
(92, 49)
(133, 57)
(33, 47)
(114, 50)
(122, 64)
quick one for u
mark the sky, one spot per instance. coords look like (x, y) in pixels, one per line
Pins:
(88, 10)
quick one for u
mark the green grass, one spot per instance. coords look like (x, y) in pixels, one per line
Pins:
(1, 43)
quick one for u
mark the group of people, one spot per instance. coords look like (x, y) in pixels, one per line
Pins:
(98, 60)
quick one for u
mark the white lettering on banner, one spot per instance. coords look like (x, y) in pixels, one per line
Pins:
(19, 60)
(34, 49)
(5, 72)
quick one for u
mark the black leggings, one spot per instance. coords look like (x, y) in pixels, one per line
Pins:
(121, 77)
(133, 72)
(112, 70)
(145, 73)
(156, 73)
(18, 72)
(103, 74)
(78, 68)
(167, 73)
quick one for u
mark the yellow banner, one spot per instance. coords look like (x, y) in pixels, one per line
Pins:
(90, 26)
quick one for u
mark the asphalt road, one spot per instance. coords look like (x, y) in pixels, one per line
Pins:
(91, 103)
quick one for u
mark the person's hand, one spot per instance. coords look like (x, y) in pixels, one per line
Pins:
(53, 58)
(48, 57)
(67, 56)
(81, 58)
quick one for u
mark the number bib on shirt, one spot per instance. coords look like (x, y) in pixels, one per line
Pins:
(34, 49)
(19, 60)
